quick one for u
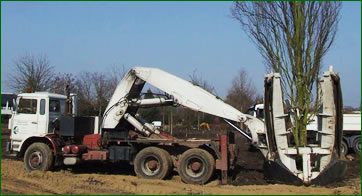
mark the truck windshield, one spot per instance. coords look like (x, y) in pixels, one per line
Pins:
(27, 106)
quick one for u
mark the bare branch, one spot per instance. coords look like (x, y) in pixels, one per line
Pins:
(242, 92)
(32, 74)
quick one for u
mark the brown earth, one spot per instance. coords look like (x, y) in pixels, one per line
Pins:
(106, 178)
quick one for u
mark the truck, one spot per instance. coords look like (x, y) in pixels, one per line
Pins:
(46, 132)
(351, 141)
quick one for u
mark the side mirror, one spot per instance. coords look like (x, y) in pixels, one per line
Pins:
(15, 106)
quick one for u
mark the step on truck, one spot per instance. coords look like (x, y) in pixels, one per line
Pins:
(46, 132)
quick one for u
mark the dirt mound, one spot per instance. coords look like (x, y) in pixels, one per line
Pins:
(249, 165)
(249, 169)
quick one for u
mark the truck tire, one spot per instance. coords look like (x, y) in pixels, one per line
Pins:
(357, 145)
(38, 156)
(152, 163)
(196, 166)
(344, 148)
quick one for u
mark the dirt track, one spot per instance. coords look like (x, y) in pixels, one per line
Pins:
(16, 181)
(100, 178)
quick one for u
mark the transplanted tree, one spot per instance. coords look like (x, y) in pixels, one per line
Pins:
(32, 74)
(293, 37)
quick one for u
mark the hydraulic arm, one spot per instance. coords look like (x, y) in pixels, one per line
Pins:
(124, 101)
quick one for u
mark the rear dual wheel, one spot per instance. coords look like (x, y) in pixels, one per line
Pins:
(196, 166)
(153, 163)
(357, 145)
(344, 148)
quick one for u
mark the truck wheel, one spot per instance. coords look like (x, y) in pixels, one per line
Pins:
(344, 148)
(357, 146)
(152, 163)
(196, 166)
(38, 156)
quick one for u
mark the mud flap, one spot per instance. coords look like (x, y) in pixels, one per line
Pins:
(9, 148)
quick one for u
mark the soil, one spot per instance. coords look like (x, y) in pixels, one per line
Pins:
(119, 178)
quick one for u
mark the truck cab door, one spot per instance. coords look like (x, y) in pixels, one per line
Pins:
(56, 109)
(25, 121)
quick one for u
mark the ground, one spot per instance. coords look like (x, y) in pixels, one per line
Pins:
(101, 178)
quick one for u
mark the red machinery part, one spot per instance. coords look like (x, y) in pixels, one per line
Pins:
(67, 149)
(78, 149)
(75, 149)
(92, 141)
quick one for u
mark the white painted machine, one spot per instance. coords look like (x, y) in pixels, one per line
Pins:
(351, 132)
(45, 135)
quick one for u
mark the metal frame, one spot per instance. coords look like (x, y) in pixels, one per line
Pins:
(316, 158)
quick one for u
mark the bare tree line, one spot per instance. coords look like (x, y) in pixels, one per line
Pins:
(94, 89)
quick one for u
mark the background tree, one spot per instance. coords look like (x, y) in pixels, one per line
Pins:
(242, 93)
(85, 94)
(293, 37)
(61, 80)
(191, 118)
(32, 74)
(199, 81)
(116, 74)
(150, 113)
(102, 91)
(95, 89)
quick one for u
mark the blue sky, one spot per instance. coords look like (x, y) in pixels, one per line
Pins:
(178, 37)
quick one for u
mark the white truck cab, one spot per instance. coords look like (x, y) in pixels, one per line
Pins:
(33, 117)
(257, 110)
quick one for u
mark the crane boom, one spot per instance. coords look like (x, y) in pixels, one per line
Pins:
(183, 93)
(188, 94)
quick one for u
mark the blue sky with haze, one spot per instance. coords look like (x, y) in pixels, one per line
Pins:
(177, 37)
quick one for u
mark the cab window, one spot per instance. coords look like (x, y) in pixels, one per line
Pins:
(54, 105)
(42, 106)
(27, 106)
(250, 111)
(260, 114)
